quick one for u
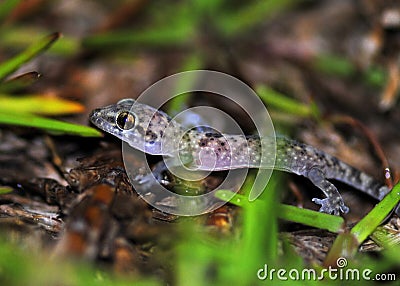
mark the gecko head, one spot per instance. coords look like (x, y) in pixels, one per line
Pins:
(139, 125)
(114, 118)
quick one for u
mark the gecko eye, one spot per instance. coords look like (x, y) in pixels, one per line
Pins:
(125, 120)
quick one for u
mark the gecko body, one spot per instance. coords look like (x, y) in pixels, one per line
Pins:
(153, 132)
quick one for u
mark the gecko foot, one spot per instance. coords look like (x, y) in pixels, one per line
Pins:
(149, 180)
(144, 179)
(157, 176)
(330, 206)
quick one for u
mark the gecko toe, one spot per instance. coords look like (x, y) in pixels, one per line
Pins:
(142, 180)
(331, 207)
(344, 209)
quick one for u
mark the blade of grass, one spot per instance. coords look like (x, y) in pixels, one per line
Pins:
(251, 15)
(5, 190)
(291, 213)
(6, 7)
(20, 37)
(19, 82)
(284, 103)
(260, 239)
(11, 65)
(165, 36)
(334, 65)
(375, 217)
(20, 267)
(196, 253)
(342, 67)
(375, 76)
(38, 104)
(386, 237)
(389, 239)
(178, 103)
(347, 244)
(206, 6)
(50, 125)
(312, 218)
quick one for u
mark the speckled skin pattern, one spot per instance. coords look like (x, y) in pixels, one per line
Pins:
(153, 132)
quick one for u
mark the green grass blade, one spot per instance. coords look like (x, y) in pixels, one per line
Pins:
(312, 218)
(342, 67)
(5, 190)
(206, 6)
(282, 102)
(20, 267)
(386, 237)
(38, 104)
(389, 239)
(252, 14)
(374, 218)
(291, 213)
(19, 82)
(166, 36)
(178, 103)
(50, 125)
(347, 244)
(6, 7)
(376, 76)
(11, 65)
(334, 65)
(16, 38)
(260, 239)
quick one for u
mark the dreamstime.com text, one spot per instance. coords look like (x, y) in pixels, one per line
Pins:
(333, 273)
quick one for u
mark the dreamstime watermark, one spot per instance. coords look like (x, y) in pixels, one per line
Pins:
(175, 140)
(340, 272)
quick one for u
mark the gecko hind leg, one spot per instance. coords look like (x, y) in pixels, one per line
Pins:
(333, 203)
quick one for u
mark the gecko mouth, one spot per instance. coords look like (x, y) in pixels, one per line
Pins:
(95, 117)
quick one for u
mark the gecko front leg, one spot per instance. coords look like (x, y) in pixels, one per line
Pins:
(333, 203)
(153, 177)
(172, 166)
